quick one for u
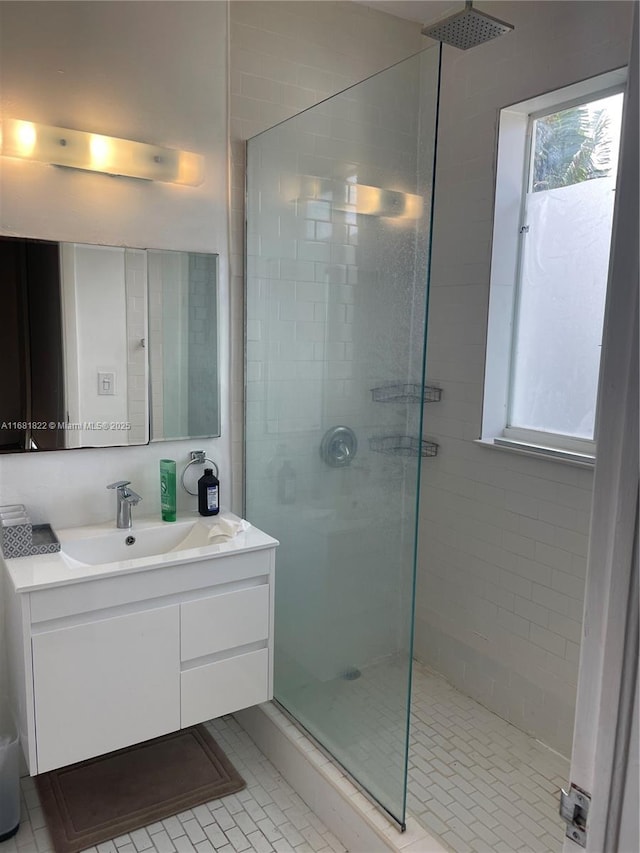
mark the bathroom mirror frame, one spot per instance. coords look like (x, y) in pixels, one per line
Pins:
(50, 357)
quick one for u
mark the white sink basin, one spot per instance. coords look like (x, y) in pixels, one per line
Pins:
(101, 550)
(97, 545)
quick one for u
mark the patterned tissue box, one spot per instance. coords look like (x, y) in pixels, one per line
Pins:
(20, 538)
(17, 537)
(44, 540)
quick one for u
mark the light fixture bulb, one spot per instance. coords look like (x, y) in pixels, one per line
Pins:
(26, 136)
(99, 148)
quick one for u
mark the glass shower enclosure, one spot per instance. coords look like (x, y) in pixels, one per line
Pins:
(338, 241)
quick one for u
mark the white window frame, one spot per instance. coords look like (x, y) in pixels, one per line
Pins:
(512, 173)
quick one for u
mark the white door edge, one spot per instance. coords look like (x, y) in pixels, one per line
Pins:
(600, 715)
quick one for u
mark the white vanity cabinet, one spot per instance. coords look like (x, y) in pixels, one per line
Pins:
(104, 684)
(120, 656)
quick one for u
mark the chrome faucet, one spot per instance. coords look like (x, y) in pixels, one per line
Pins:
(126, 499)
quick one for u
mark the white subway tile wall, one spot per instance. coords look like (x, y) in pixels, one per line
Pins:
(285, 57)
(503, 538)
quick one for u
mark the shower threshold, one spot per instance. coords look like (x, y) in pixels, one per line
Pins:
(323, 785)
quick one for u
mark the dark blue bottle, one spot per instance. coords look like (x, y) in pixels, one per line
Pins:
(208, 493)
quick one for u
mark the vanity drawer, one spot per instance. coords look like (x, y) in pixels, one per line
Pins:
(225, 621)
(224, 687)
(145, 585)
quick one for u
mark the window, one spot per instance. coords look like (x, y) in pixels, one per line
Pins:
(552, 236)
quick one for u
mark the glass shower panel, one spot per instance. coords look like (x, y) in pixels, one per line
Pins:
(338, 235)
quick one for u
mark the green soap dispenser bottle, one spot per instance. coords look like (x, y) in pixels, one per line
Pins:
(208, 493)
(168, 489)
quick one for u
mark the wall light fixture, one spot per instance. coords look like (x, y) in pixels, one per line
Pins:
(352, 197)
(77, 149)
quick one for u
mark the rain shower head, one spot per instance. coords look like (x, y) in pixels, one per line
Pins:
(466, 29)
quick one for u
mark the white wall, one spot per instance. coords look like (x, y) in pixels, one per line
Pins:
(503, 538)
(118, 69)
(149, 71)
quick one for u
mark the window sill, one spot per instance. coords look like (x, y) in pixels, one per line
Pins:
(538, 451)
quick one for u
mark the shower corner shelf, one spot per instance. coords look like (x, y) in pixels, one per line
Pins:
(406, 393)
(403, 445)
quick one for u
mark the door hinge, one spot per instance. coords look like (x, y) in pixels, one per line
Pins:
(574, 808)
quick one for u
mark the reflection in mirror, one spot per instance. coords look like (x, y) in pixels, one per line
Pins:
(74, 335)
(183, 345)
(104, 321)
(31, 379)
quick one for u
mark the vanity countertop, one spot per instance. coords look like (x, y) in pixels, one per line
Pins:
(44, 571)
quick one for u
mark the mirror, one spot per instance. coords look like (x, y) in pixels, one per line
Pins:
(106, 345)
(183, 344)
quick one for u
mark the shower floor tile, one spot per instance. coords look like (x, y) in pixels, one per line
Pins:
(475, 781)
(267, 816)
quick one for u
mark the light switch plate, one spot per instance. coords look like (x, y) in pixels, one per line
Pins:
(106, 383)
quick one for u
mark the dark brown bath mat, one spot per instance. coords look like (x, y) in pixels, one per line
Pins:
(99, 799)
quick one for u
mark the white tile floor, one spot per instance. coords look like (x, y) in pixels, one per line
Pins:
(266, 817)
(476, 783)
